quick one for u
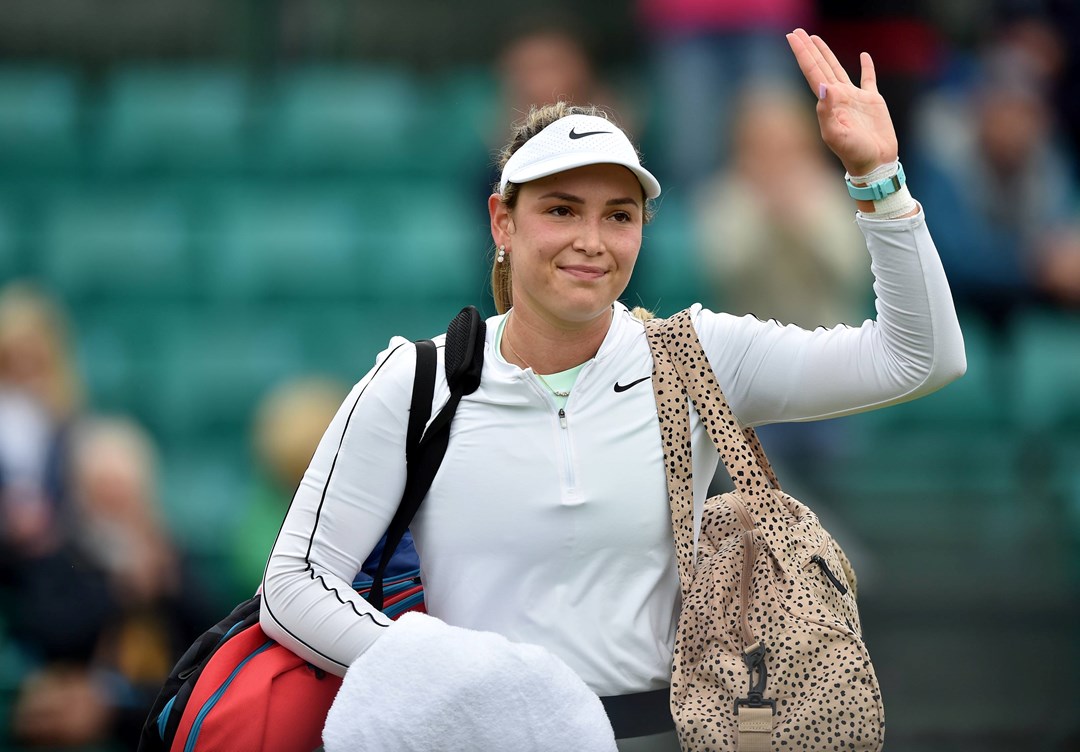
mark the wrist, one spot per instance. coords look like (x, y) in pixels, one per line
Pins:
(882, 192)
(871, 167)
(877, 183)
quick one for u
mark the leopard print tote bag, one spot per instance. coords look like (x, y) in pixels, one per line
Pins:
(769, 652)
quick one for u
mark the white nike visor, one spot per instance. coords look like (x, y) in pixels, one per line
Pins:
(576, 141)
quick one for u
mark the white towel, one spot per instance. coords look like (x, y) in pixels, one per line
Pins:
(426, 686)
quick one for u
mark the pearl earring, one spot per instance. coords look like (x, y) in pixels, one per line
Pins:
(501, 256)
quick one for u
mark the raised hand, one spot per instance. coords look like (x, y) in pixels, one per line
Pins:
(855, 122)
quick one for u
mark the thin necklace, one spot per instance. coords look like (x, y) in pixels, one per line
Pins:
(553, 390)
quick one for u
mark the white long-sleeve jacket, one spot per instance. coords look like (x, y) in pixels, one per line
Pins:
(555, 529)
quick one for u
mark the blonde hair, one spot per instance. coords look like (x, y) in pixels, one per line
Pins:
(537, 120)
(289, 423)
(104, 442)
(30, 318)
(121, 522)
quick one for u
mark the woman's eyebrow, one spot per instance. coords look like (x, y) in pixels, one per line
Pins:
(571, 198)
(564, 197)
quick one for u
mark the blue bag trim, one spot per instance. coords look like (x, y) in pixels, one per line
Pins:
(163, 717)
(402, 606)
(362, 583)
(196, 726)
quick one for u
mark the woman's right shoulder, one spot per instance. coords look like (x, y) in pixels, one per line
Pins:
(397, 352)
(383, 395)
(394, 368)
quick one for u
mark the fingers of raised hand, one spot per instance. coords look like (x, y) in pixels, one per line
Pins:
(829, 61)
(803, 49)
(869, 74)
(816, 61)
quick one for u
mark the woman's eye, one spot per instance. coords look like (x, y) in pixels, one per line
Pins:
(559, 211)
(621, 216)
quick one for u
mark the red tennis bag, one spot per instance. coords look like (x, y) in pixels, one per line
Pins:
(235, 689)
(241, 691)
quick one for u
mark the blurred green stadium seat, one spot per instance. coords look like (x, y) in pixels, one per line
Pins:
(203, 492)
(39, 118)
(216, 364)
(15, 666)
(899, 460)
(979, 398)
(287, 242)
(335, 119)
(117, 243)
(668, 276)
(1047, 355)
(376, 240)
(436, 243)
(173, 118)
(424, 319)
(463, 109)
(120, 347)
(206, 489)
(1072, 514)
(339, 339)
(209, 364)
(11, 263)
(921, 496)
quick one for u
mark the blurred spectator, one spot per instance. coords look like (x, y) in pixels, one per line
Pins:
(777, 233)
(39, 402)
(1050, 31)
(545, 60)
(704, 54)
(999, 188)
(288, 425)
(127, 598)
(39, 398)
(776, 228)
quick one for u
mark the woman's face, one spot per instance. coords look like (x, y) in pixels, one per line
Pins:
(572, 240)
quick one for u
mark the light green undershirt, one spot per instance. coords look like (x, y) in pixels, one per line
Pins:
(562, 381)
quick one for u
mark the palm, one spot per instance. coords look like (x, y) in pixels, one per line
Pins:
(855, 122)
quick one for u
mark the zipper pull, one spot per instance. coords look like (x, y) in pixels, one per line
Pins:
(562, 417)
(829, 573)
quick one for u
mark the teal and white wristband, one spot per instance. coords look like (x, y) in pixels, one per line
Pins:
(886, 186)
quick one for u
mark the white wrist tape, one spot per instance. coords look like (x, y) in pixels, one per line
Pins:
(895, 204)
(881, 172)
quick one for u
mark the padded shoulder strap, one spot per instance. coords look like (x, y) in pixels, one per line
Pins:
(424, 450)
(464, 361)
(465, 338)
(739, 446)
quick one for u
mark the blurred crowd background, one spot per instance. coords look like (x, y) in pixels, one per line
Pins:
(213, 216)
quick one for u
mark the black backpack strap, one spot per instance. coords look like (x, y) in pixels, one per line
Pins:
(423, 391)
(464, 360)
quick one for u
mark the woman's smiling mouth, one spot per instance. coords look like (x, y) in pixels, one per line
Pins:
(584, 272)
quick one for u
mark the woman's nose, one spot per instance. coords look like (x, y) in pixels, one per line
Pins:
(590, 239)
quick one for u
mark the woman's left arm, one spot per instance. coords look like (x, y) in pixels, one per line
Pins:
(772, 373)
